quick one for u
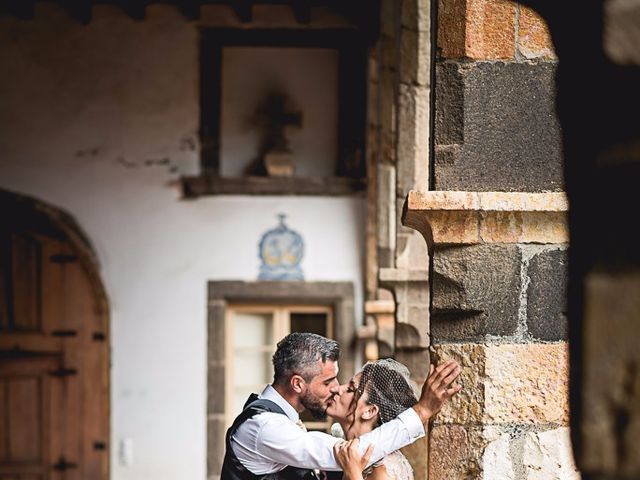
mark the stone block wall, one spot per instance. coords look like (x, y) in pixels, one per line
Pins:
(486, 194)
(480, 43)
(499, 308)
(495, 222)
(511, 420)
(495, 123)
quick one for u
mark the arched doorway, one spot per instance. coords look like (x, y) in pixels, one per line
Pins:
(54, 347)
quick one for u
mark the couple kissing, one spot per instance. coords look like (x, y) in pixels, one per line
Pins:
(379, 411)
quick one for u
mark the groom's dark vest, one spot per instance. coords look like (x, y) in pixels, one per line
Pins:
(232, 469)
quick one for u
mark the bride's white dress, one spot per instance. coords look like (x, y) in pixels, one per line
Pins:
(397, 466)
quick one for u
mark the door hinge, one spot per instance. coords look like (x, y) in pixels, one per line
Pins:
(63, 258)
(61, 465)
(64, 333)
(63, 372)
(99, 336)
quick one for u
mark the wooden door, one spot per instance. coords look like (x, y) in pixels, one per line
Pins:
(53, 359)
(25, 414)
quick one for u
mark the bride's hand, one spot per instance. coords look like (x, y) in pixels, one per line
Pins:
(348, 456)
(437, 389)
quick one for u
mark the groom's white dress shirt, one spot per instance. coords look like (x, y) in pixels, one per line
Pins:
(269, 442)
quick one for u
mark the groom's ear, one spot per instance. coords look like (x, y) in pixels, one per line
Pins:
(297, 383)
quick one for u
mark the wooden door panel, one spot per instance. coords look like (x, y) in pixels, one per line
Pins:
(79, 318)
(20, 281)
(26, 267)
(4, 444)
(55, 291)
(5, 280)
(94, 406)
(71, 435)
(25, 383)
(22, 477)
(55, 441)
(24, 415)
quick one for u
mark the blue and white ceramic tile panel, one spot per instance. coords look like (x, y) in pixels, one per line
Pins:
(280, 251)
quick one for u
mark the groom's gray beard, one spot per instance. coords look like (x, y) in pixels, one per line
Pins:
(316, 408)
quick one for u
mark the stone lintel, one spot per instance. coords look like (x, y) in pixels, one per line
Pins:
(468, 218)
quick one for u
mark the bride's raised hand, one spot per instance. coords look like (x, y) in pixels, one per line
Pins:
(437, 389)
(349, 457)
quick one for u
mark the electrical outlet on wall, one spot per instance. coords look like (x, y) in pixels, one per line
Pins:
(125, 452)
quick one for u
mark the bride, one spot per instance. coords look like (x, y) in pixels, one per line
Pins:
(375, 395)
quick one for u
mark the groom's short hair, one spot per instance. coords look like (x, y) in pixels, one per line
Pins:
(298, 354)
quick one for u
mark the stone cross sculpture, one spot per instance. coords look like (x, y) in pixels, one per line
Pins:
(273, 117)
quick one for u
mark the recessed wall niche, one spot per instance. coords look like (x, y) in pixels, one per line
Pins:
(303, 83)
(282, 111)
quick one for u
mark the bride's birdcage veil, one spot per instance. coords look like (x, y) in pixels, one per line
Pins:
(388, 385)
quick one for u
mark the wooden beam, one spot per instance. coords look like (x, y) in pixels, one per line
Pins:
(210, 102)
(364, 14)
(23, 9)
(190, 9)
(301, 11)
(243, 10)
(197, 186)
(136, 9)
(81, 10)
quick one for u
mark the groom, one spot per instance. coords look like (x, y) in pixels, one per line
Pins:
(266, 440)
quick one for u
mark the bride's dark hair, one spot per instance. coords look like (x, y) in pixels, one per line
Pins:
(388, 386)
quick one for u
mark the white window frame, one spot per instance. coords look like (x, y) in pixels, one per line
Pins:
(281, 328)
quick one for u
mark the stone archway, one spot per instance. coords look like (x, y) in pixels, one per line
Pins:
(54, 346)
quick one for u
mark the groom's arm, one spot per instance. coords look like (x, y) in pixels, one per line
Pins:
(269, 442)
(278, 442)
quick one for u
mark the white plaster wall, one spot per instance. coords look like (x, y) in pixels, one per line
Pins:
(100, 120)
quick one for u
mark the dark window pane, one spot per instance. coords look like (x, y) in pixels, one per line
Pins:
(309, 322)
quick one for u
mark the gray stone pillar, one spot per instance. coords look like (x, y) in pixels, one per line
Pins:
(498, 281)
